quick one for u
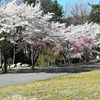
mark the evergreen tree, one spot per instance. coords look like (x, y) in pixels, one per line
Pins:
(46, 5)
(57, 10)
(95, 13)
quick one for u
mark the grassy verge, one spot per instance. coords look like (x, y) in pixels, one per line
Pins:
(81, 86)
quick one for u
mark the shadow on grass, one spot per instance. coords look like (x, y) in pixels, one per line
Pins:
(67, 69)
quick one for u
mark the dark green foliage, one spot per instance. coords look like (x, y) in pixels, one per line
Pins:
(95, 13)
(6, 47)
(46, 5)
(30, 2)
(57, 10)
(53, 7)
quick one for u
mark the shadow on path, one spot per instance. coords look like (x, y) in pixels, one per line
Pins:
(68, 69)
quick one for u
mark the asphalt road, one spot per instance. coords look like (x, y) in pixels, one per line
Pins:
(24, 77)
(17, 78)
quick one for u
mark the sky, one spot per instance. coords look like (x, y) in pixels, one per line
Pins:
(65, 2)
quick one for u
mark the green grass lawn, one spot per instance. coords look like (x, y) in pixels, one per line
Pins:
(81, 86)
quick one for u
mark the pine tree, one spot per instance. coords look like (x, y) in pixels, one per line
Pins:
(57, 10)
(95, 13)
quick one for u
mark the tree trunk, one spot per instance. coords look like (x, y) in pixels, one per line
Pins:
(34, 56)
(4, 68)
(69, 61)
(32, 62)
(14, 55)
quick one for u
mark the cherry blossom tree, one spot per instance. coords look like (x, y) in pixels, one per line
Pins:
(83, 47)
(28, 25)
(24, 23)
(85, 33)
(73, 32)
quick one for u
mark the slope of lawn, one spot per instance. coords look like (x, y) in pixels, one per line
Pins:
(81, 86)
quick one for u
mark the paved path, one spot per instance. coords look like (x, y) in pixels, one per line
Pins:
(20, 77)
(17, 78)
